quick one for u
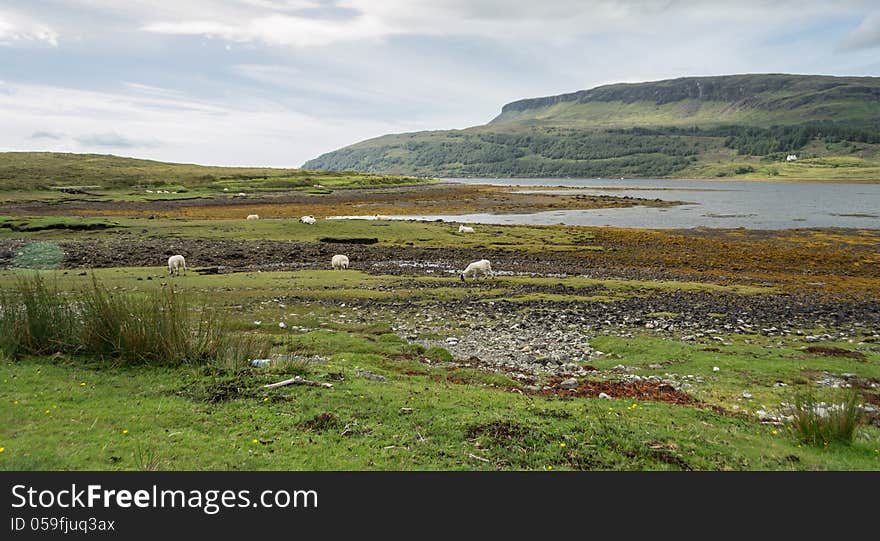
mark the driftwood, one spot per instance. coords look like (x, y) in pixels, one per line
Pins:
(298, 381)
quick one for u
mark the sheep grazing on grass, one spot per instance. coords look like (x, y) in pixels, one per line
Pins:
(465, 229)
(476, 269)
(253, 217)
(339, 262)
(308, 220)
(175, 263)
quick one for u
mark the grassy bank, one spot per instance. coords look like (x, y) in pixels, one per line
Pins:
(65, 411)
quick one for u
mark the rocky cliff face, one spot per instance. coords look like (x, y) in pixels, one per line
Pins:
(771, 91)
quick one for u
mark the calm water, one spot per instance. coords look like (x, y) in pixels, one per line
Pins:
(716, 204)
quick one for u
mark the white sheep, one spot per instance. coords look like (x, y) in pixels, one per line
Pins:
(175, 263)
(339, 262)
(477, 268)
(308, 220)
(465, 229)
(253, 217)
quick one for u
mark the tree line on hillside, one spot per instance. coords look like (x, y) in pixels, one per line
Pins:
(656, 151)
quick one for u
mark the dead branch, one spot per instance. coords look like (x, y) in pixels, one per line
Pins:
(298, 381)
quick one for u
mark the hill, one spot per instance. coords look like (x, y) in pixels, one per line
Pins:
(736, 125)
(46, 170)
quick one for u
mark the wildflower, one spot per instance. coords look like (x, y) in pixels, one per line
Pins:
(549, 467)
(265, 399)
(562, 444)
(255, 441)
(47, 412)
(125, 431)
(83, 384)
(2, 450)
(774, 432)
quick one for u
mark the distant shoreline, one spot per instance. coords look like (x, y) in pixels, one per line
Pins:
(648, 179)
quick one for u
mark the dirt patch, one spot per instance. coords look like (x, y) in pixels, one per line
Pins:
(356, 240)
(500, 431)
(26, 227)
(217, 390)
(321, 422)
(835, 352)
(636, 390)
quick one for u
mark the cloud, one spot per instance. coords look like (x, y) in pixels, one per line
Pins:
(505, 20)
(114, 140)
(174, 129)
(40, 134)
(277, 82)
(16, 29)
(866, 36)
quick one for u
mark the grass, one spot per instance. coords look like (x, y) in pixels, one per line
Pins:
(100, 174)
(84, 412)
(109, 399)
(123, 414)
(822, 423)
(156, 327)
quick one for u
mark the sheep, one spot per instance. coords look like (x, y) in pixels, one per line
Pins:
(339, 262)
(253, 217)
(465, 229)
(175, 262)
(477, 268)
(308, 220)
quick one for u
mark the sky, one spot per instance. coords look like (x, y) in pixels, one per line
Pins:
(277, 82)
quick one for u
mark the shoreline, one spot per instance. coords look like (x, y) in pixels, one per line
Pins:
(673, 179)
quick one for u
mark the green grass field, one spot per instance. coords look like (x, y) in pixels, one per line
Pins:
(63, 412)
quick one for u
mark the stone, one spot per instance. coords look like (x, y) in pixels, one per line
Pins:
(604, 396)
(570, 383)
(370, 375)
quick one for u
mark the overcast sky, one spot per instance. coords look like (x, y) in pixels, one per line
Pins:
(277, 82)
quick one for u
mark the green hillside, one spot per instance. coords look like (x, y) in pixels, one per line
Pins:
(738, 125)
(52, 170)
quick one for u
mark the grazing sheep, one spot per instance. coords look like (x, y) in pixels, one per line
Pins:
(339, 262)
(175, 263)
(253, 217)
(477, 268)
(308, 220)
(465, 229)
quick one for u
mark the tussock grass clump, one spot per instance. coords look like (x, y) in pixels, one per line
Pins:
(818, 422)
(36, 319)
(155, 327)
